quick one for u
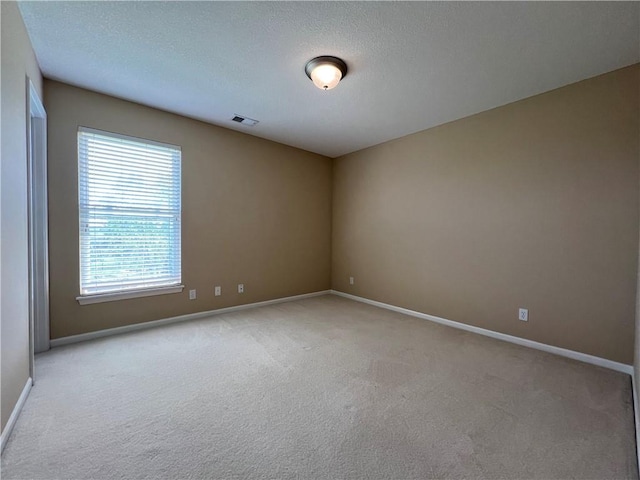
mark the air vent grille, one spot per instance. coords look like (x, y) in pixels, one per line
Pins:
(249, 122)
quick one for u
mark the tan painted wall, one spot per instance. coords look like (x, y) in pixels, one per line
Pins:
(254, 212)
(533, 204)
(18, 62)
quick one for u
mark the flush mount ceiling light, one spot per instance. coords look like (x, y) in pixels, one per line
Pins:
(326, 72)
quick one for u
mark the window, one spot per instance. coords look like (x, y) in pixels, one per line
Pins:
(129, 199)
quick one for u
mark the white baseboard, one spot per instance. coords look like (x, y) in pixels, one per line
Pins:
(8, 428)
(58, 342)
(583, 357)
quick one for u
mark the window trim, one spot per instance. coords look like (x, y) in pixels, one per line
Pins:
(93, 298)
(125, 295)
(121, 136)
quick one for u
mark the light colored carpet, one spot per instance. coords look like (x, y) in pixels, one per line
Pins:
(319, 388)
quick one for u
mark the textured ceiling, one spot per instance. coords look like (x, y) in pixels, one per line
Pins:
(411, 65)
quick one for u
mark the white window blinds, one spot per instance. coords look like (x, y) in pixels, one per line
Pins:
(129, 196)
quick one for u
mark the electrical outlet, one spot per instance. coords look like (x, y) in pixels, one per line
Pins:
(350, 280)
(241, 288)
(192, 294)
(217, 291)
(523, 314)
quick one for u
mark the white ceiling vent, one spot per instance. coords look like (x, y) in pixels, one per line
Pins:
(249, 122)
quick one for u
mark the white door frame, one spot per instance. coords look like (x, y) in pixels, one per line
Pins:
(38, 224)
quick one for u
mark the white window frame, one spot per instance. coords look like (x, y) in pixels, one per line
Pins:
(91, 298)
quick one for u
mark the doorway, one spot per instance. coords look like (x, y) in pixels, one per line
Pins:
(38, 225)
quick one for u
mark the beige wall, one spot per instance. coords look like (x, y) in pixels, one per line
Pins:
(533, 204)
(18, 62)
(254, 212)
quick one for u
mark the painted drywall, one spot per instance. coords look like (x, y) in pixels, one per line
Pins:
(253, 212)
(18, 63)
(533, 204)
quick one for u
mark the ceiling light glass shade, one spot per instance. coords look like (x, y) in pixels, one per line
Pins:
(326, 72)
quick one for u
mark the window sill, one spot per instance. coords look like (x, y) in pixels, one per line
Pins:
(113, 297)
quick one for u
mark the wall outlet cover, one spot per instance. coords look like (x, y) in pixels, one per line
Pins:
(523, 314)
